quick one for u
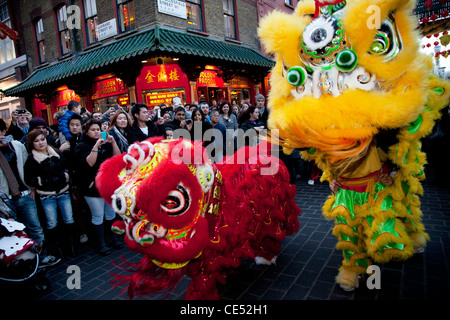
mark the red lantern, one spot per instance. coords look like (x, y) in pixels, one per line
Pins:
(436, 35)
(442, 2)
(444, 13)
(426, 20)
(428, 45)
(445, 32)
(437, 54)
(436, 43)
(434, 16)
(428, 4)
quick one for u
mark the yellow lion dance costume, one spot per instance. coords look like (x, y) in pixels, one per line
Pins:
(351, 89)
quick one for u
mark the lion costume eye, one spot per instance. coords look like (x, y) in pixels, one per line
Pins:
(177, 202)
(388, 41)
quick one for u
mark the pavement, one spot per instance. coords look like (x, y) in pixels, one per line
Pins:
(305, 269)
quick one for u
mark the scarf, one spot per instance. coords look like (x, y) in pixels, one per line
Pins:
(10, 177)
(123, 142)
(39, 156)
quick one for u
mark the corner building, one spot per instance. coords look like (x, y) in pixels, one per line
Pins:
(108, 52)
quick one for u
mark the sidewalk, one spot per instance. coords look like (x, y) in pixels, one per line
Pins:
(305, 268)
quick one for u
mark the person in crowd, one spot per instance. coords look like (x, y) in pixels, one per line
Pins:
(39, 123)
(263, 110)
(85, 114)
(253, 123)
(243, 114)
(235, 110)
(120, 124)
(72, 107)
(167, 117)
(229, 121)
(142, 128)
(13, 156)
(226, 117)
(205, 109)
(104, 125)
(109, 113)
(179, 121)
(199, 127)
(80, 208)
(19, 126)
(176, 102)
(90, 153)
(219, 134)
(46, 172)
(169, 133)
(234, 104)
(165, 109)
(97, 115)
(214, 105)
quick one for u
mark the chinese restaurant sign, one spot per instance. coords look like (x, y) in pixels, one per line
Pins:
(109, 87)
(209, 78)
(163, 76)
(155, 98)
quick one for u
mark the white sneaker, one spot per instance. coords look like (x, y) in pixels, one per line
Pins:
(311, 182)
(48, 261)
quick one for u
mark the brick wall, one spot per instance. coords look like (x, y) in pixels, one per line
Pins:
(146, 15)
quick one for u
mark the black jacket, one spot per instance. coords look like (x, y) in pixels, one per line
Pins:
(48, 174)
(69, 155)
(86, 174)
(136, 134)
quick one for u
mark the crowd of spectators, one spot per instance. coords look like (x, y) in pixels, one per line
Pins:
(47, 176)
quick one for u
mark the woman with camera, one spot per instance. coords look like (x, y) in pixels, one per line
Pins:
(96, 147)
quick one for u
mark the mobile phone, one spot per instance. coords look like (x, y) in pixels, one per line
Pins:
(188, 121)
(104, 135)
(7, 139)
(19, 111)
(159, 113)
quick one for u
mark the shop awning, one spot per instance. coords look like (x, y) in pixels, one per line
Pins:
(155, 40)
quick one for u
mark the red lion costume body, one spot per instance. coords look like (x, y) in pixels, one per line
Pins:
(186, 215)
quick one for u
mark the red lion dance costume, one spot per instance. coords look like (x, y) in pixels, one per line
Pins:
(187, 215)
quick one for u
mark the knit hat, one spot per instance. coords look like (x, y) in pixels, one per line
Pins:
(260, 96)
(36, 122)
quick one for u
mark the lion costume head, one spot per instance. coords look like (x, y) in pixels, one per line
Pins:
(344, 71)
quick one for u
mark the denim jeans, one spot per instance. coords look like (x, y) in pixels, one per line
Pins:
(51, 204)
(100, 209)
(26, 211)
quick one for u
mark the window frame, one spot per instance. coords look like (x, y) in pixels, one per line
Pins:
(201, 19)
(64, 30)
(6, 45)
(87, 18)
(120, 23)
(36, 22)
(234, 20)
